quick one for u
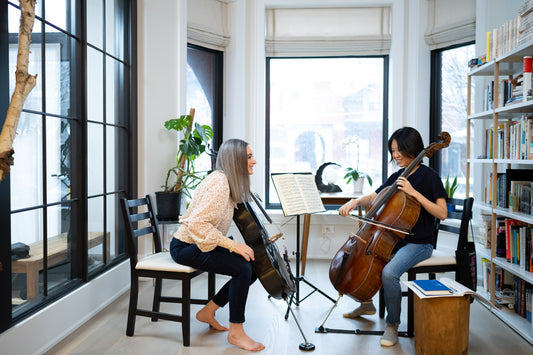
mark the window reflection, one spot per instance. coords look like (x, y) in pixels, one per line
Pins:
(202, 86)
(319, 104)
(454, 75)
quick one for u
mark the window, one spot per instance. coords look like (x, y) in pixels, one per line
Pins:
(322, 110)
(74, 154)
(204, 94)
(449, 109)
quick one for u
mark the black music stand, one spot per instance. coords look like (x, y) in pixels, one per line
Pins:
(298, 195)
(299, 277)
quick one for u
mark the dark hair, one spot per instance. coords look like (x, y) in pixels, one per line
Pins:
(232, 159)
(409, 142)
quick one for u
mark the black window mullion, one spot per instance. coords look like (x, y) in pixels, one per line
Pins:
(82, 241)
(5, 189)
(435, 104)
(104, 120)
(385, 136)
(44, 160)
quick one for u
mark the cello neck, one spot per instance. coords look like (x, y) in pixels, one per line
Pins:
(444, 141)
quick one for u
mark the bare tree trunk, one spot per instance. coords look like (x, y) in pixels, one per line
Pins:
(24, 84)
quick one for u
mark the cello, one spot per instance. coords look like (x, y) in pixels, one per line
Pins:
(356, 268)
(273, 273)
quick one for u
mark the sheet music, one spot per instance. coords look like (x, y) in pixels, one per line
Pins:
(297, 193)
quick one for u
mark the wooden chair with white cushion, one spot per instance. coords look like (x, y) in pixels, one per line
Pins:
(140, 220)
(442, 260)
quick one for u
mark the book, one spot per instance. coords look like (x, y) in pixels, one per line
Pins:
(457, 290)
(298, 193)
(432, 287)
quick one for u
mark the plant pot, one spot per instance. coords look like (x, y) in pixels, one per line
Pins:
(168, 205)
(358, 186)
(451, 207)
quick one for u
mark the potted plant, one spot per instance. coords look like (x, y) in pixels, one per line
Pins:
(450, 190)
(351, 145)
(358, 179)
(182, 178)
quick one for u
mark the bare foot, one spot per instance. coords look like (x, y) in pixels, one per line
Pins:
(207, 315)
(238, 337)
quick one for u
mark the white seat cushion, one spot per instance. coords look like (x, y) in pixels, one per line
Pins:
(162, 262)
(439, 258)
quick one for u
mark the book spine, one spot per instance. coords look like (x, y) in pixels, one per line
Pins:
(489, 35)
(526, 85)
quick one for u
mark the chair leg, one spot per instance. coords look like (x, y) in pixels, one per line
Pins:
(211, 285)
(134, 295)
(411, 275)
(157, 297)
(186, 311)
(381, 303)
(410, 314)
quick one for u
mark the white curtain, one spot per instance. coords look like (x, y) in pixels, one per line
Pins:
(327, 31)
(207, 24)
(450, 22)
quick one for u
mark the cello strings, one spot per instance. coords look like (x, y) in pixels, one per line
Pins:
(380, 224)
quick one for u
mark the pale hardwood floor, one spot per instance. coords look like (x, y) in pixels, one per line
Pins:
(105, 333)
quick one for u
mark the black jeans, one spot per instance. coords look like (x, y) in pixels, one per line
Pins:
(220, 261)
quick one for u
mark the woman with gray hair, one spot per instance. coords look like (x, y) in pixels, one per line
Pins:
(201, 240)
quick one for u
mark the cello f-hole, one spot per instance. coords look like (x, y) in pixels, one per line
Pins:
(367, 251)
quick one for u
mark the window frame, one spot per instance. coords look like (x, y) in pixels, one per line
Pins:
(435, 100)
(79, 274)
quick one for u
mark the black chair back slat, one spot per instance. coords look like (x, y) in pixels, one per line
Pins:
(140, 216)
(143, 231)
(136, 202)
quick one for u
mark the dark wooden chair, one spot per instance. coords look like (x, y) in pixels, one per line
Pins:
(442, 260)
(140, 219)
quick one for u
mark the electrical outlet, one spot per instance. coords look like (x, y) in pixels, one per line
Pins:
(328, 229)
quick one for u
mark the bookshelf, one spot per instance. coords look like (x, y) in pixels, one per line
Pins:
(503, 67)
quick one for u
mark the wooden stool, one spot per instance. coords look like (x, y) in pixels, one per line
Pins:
(441, 325)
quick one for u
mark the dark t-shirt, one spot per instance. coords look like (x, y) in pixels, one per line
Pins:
(426, 181)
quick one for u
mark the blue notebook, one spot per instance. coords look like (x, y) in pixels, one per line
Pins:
(432, 287)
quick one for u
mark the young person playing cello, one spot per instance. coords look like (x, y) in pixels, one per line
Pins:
(425, 185)
(201, 240)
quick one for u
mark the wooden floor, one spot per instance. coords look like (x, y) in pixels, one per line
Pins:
(105, 333)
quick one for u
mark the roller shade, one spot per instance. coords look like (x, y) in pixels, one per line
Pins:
(450, 22)
(327, 31)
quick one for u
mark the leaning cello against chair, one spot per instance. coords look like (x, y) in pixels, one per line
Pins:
(400, 218)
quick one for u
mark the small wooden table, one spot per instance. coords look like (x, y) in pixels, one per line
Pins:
(57, 252)
(328, 198)
(441, 325)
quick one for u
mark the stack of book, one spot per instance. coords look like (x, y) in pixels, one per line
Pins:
(525, 32)
(514, 139)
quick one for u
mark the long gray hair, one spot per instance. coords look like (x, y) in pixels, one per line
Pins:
(232, 159)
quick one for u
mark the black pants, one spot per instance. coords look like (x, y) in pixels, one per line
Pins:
(220, 261)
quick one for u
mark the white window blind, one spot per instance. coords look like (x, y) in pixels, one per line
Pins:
(327, 31)
(450, 22)
(207, 24)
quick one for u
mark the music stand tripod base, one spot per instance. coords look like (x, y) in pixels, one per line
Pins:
(324, 330)
(307, 347)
